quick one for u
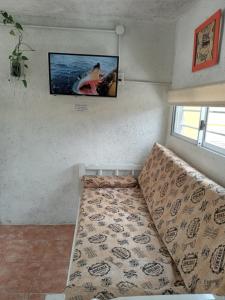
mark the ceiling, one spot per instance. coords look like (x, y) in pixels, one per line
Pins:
(69, 12)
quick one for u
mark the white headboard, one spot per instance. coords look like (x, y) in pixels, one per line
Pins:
(109, 170)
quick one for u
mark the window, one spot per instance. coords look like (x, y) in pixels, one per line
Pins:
(203, 126)
(187, 121)
(215, 129)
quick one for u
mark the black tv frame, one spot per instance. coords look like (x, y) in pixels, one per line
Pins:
(75, 54)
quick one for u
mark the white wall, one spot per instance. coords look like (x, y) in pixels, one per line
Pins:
(182, 72)
(208, 162)
(42, 137)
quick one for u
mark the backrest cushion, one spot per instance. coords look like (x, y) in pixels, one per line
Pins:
(150, 172)
(188, 211)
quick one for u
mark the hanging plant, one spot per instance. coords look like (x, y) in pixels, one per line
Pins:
(18, 61)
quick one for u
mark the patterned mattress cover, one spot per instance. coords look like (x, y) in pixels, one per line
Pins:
(188, 210)
(117, 250)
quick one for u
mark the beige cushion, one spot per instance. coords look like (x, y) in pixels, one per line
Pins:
(90, 181)
(189, 212)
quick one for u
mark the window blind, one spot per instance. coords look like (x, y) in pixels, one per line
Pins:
(208, 95)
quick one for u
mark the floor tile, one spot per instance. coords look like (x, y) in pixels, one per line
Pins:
(18, 277)
(10, 232)
(58, 249)
(36, 297)
(24, 250)
(36, 232)
(64, 232)
(52, 278)
(34, 260)
(49, 232)
(12, 296)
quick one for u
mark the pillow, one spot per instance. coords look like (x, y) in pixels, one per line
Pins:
(90, 181)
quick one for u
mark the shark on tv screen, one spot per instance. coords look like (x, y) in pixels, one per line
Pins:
(79, 74)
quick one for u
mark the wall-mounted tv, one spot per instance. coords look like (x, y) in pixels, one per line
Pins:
(81, 74)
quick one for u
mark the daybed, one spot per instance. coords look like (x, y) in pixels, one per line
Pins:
(161, 234)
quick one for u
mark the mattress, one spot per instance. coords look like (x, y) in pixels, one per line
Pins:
(117, 251)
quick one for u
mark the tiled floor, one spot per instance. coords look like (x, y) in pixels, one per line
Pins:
(34, 260)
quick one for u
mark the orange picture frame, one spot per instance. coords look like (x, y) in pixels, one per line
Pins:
(206, 43)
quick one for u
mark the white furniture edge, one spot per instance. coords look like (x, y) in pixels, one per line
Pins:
(173, 297)
(54, 297)
(112, 169)
(133, 169)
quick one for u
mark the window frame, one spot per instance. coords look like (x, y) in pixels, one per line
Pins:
(183, 137)
(202, 130)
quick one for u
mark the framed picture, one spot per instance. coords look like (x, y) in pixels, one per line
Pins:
(206, 43)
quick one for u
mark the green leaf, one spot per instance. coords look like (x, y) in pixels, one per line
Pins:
(12, 32)
(24, 83)
(26, 66)
(5, 14)
(10, 56)
(24, 58)
(18, 26)
(10, 19)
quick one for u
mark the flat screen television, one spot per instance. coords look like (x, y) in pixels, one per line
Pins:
(81, 74)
